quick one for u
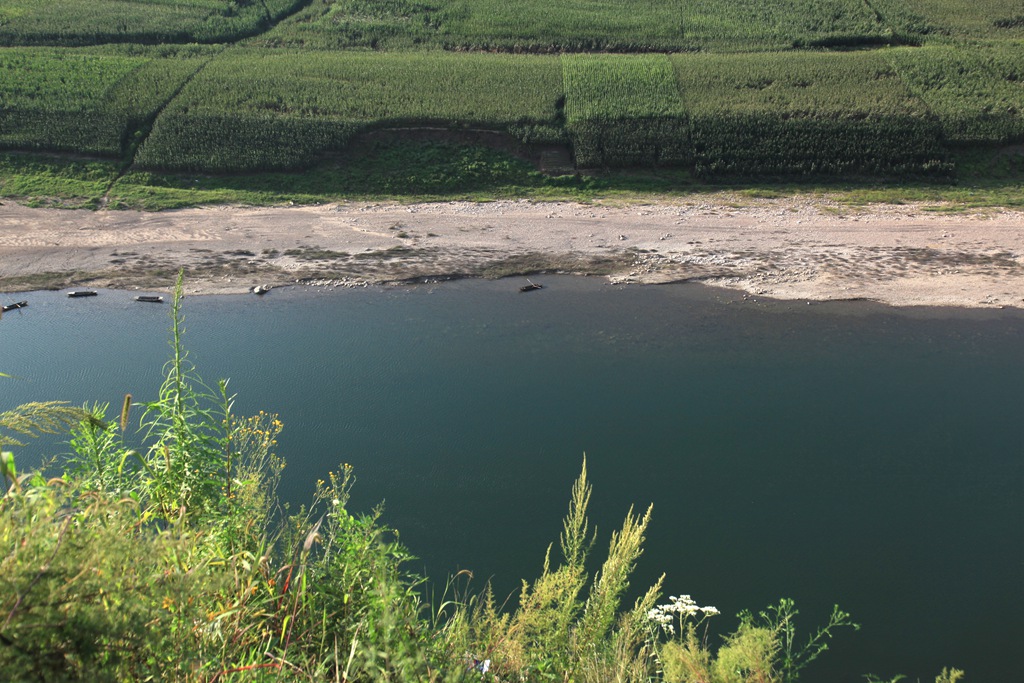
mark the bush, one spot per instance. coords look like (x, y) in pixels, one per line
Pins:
(174, 562)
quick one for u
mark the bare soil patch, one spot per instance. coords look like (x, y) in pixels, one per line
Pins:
(783, 248)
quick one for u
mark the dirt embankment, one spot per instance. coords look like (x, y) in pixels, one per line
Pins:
(783, 248)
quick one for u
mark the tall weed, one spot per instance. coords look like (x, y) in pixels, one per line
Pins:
(175, 561)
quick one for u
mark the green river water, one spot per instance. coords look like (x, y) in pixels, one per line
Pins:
(833, 453)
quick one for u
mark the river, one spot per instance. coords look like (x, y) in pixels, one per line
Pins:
(833, 453)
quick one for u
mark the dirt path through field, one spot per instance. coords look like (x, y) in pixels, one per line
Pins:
(783, 248)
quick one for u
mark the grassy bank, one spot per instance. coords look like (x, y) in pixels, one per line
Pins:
(392, 170)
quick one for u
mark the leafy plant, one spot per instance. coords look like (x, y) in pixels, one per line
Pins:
(555, 632)
(176, 561)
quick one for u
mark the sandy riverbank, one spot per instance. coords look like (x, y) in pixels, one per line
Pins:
(783, 248)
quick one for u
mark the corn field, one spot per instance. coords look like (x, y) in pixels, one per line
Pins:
(92, 22)
(723, 88)
(92, 101)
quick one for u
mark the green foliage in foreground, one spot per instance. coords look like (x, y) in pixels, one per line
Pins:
(173, 561)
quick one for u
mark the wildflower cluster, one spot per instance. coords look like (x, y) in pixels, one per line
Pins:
(336, 492)
(681, 607)
(255, 435)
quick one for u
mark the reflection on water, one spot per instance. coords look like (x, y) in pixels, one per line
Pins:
(831, 453)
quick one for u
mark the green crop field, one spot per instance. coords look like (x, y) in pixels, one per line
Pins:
(92, 22)
(252, 109)
(974, 18)
(88, 100)
(641, 26)
(977, 94)
(585, 25)
(796, 113)
(719, 89)
(624, 110)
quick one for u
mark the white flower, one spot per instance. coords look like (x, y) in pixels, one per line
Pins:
(662, 618)
(659, 616)
(682, 605)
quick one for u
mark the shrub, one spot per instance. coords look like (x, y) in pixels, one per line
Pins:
(174, 562)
